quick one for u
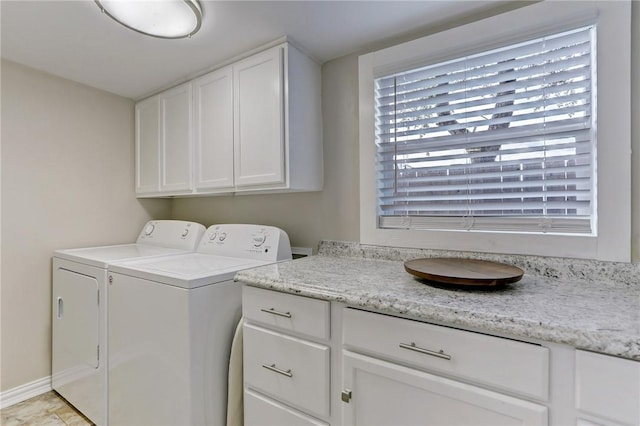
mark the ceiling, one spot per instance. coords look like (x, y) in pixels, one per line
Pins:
(74, 40)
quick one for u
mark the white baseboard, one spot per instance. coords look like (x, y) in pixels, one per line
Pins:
(24, 392)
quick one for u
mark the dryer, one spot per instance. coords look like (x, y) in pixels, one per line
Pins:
(170, 342)
(79, 330)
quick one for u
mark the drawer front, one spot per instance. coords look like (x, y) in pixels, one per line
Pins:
(608, 387)
(492, 361)
(286, 312)
(290, 370)
(262, 411)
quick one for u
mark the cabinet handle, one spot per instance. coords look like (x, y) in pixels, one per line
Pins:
(413, 347)
(274, 312)
(275, 369)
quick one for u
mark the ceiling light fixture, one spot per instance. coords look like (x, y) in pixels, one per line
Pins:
(156, 18)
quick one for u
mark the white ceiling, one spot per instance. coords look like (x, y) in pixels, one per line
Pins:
(74, 40)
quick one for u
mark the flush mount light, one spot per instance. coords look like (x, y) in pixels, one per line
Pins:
(156, 18)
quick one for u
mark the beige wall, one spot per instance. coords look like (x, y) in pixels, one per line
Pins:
(334, 213)
(67, 181)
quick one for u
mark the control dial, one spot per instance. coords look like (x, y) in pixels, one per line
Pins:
(148, 230)
(223, 236)
(185, 232)
(213, 236)
(259, 239)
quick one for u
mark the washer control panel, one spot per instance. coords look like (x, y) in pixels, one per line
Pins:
(246, 241)
(177, 234)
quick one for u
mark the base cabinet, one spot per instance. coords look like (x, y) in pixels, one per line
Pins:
(383, 393)
(286, 359)
(607, 390)
(312, 362)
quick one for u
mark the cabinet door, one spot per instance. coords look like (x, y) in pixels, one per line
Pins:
(608, 388)
(383, 393)
(213, 139)
(259, 120)
(148, 146)
(175, 141)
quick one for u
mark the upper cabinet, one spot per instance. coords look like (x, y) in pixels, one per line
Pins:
(163, 143)
(259, 115)
(253, 126)
(148, 146)
(213, 132)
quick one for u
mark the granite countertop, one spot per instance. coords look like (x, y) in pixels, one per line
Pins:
(584, 308)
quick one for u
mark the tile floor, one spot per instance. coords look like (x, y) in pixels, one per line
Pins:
(44, 410)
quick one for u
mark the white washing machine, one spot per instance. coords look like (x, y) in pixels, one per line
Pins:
(171, 324)
(79, 337)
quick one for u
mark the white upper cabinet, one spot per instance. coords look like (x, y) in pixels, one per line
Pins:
(213, 126)
(163, 143)
(278, 122)
(148, 146)
(253, 126)
(175, 140)
(259, 117)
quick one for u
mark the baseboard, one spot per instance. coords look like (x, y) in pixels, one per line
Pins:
(24, 392)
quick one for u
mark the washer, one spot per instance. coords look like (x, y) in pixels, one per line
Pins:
(79, 336)
(171, 323)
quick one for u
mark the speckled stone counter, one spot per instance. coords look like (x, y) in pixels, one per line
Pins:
(593, 306)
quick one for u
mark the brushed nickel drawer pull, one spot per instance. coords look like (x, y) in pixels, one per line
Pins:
(274, 312)
(413, 347)
(275, 369)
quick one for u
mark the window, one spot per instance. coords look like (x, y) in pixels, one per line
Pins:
(499, 140)
(483, 137)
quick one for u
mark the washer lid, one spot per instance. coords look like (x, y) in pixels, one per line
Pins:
(190, 270)
(102, 256)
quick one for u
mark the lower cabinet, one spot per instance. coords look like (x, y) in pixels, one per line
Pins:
(286, 359)
(607, 390)
(312, 362)
(404, 372)
(383, 393)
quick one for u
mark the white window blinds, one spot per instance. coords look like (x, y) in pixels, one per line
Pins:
(501, 140)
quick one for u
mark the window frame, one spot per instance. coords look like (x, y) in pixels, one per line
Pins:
(612, 234)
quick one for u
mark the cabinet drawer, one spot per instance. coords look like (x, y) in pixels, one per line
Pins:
(609, 387)
(496, 362)
(262, 411)
(290, 370)
(286, 312)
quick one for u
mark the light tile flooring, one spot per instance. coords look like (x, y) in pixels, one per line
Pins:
(43, 410)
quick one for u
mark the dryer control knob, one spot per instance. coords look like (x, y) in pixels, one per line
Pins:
(259, 239)
(185, 232)
(148, 230)
(222, 237)
(213, 236)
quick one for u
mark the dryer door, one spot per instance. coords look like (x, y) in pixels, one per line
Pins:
(75, 326)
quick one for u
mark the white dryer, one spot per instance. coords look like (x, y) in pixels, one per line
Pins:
(79, 335)
(170, 341)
